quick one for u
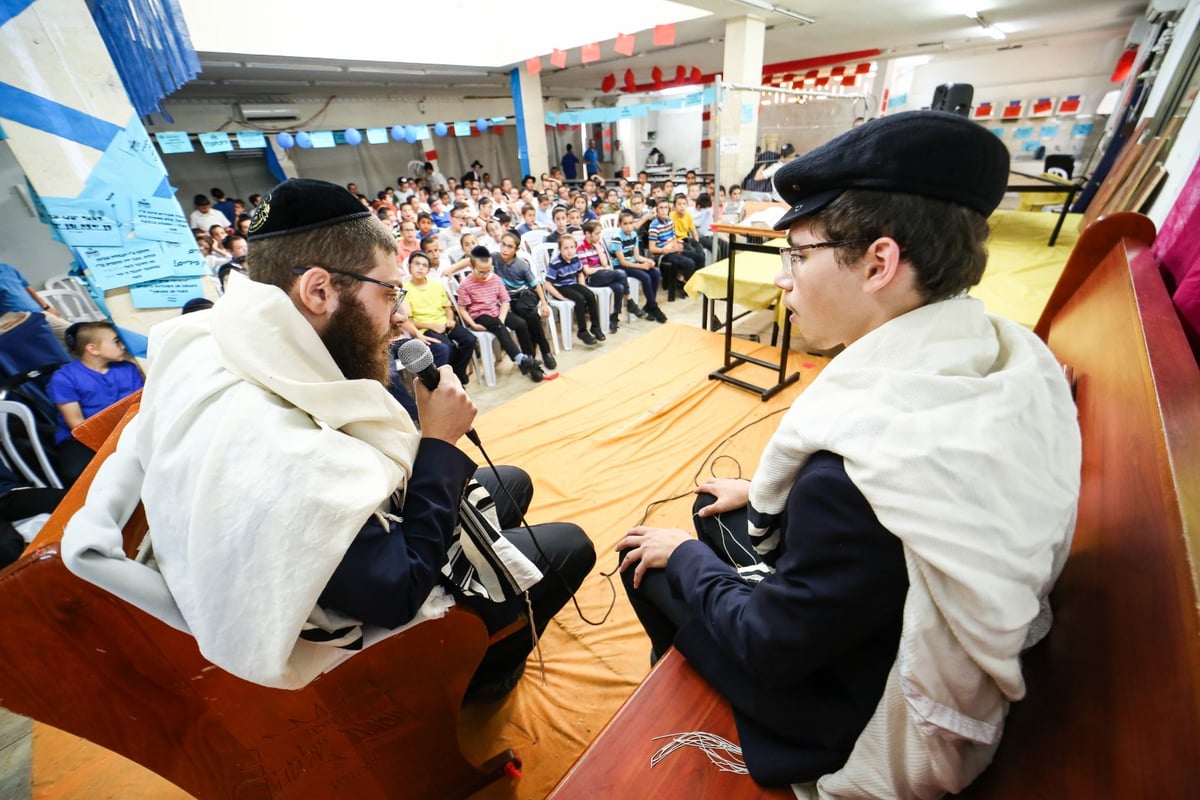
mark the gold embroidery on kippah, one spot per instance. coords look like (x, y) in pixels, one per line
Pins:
(260, 215)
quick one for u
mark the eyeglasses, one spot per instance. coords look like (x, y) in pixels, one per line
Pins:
(794, 256)
(398, 294)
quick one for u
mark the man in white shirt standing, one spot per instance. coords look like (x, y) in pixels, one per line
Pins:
(205, 216)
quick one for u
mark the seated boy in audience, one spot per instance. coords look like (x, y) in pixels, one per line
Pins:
(565, 280)
(425, 227)
(574, 220)
(527, 300)
(83, 388)
(624, 251)
(529, 217)
(433, 315)
(437, 211)
(598, 271)
(545, 212)
(666, 247)
(485, 302)
(560, 226)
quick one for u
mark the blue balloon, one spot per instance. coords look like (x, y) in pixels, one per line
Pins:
(286, 140)
(353, 137)
(410, 134)
(440, 129)
(303, 140)
(397, 132)
(481, 124)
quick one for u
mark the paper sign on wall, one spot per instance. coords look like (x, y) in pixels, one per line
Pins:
(166, 294)
(82, 223)
(251, 140)
(137, 262)
(215, 142)
(160, 219)
(174, 141)
(322, 139)
(377, 135)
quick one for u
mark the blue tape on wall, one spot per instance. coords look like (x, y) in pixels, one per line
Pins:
(46, 115)
(10, 8)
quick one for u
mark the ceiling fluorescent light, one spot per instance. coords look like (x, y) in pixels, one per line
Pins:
(762, 4)
(995, 33)
(458, 73)
(219, 65)
(385, 71)
(794, 15)
(299, 67)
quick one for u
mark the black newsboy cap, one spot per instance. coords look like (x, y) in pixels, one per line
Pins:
(928, 153)
(300, 205)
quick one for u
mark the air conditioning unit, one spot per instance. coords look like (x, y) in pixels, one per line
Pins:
(269, 113)
(575, 104)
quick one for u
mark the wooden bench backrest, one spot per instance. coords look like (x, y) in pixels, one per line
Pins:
(1113, 704)
(381, 725)
(1113, 707)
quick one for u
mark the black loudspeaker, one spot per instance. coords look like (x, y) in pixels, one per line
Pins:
(953, 97)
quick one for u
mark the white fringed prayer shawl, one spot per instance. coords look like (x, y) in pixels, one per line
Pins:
(959, 429)
(245, 548)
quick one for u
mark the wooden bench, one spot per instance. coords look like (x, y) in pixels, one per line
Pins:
(1113, 702)
(381, 725)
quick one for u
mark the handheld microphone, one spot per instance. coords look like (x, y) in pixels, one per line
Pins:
(417, 360)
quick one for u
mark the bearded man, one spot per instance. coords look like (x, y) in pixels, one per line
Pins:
(294, 510)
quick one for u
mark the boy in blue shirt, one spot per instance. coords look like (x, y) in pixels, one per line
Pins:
(86, 387)
(564, 279)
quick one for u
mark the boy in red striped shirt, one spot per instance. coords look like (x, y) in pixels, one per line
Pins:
(484, 300)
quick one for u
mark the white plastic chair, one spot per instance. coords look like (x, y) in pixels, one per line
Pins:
(532, 238)
(11, 410)
(484, 358)
(565, 309)
(71, 284)
(70, 305)
(609, 221)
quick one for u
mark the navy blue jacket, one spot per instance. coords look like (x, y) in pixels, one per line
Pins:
(802, 656)
(386, 575)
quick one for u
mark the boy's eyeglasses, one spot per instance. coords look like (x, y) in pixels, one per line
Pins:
(398, 293)
(795, 256)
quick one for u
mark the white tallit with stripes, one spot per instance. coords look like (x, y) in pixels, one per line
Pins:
(243, 547)
(959, 429)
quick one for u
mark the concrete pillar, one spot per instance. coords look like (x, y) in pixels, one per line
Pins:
(744, 41)
(65, 112)
(531, 122)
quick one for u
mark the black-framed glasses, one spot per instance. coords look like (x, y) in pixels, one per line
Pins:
(794, 256)
(398, 293)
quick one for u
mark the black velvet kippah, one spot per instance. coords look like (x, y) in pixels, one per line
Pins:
(300, 205)
(928, 153)
(479, 251)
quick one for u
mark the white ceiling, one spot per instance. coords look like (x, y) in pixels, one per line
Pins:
(258, 65)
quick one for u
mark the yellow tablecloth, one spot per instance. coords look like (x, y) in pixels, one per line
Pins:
(753, 280)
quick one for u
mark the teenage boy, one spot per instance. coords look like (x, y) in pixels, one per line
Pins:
(564, 279)
(82, 388)
(624, 251)
(485, 302)
(529, 215)
(526, 299)
(872, 640)
(425, 226)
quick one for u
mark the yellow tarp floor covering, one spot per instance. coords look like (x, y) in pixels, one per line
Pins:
(633, 425)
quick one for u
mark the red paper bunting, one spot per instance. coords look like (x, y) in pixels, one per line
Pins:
(664, 35)
(837, 71)
(656, 74)
(558, 58)
(624, 45)
(609, 83)
(589, 53)
(849, 80)
(533, 65)
(696, 75)
(630, 81)
(863, 68)
(680, 73)
(431, 155)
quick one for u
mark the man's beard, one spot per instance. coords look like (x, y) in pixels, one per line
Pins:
(355, 344)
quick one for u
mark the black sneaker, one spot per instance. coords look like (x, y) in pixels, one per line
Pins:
(535, 374)
(586, 337)
(548, 361)
(613, 323)
(656, 313)
(633, 309)
(598, 332)
(528, 366)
